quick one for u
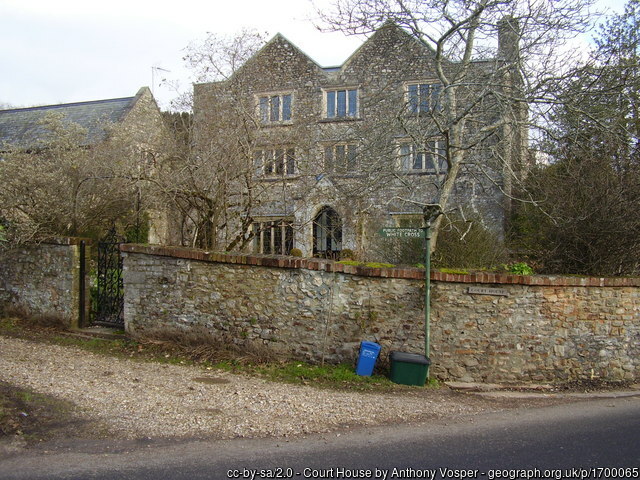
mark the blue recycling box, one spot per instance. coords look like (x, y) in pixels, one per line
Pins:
(367, 360)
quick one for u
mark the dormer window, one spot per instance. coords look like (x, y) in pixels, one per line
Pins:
(341, 103)
(423, 97)
(275, 108)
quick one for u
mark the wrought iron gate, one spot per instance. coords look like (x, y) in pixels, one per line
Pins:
(110, 291)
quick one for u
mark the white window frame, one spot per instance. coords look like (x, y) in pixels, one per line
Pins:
(427, 158)
(329, 106)
(426, 102)
(269, 163)
(348, 151)
(268, 103)
(266, 234)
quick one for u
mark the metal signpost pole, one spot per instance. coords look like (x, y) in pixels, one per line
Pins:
(427, 289)
(431, 212)
(410, 361)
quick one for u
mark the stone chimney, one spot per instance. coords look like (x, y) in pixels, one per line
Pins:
(509, 39)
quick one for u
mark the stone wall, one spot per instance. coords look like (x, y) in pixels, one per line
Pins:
(557, 329)
(484, 327)
(43, 280)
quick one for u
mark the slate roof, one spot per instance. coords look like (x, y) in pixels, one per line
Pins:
(21, 127)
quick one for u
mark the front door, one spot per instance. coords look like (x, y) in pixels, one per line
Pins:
(327, 234)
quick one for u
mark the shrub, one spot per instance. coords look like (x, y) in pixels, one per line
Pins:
(200, 344)
(366, 264)
(584, 225)
(468, 244)
(295, 252)
(347, 254)
(462, 244)
(520, 268)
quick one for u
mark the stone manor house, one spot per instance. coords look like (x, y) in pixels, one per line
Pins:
(322, 158)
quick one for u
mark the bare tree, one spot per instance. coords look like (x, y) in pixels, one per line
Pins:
(195, 179)
(213, 59)
(491, 92)
(63, 186)
(223, 173)
(592, 181)
(204, 185)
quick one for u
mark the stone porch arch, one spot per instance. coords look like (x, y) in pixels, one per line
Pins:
(327, 233)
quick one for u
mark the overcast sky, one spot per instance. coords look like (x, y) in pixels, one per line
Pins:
(62, 51)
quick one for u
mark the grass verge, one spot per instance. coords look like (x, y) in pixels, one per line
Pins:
(198, 349)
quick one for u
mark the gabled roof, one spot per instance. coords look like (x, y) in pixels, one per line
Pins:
(278, 38)
(281, 38)
(386, 27)
(22, 127)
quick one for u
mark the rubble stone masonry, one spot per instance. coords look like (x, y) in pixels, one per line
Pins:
(42, 280)
(484, 327)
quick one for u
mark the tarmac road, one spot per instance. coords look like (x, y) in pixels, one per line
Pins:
(596, 438)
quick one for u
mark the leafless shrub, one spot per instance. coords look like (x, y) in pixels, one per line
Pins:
(26, 318)
(203, 345)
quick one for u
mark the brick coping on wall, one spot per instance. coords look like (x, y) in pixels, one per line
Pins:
(281, 261)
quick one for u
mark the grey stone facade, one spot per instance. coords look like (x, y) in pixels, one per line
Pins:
(337, 153)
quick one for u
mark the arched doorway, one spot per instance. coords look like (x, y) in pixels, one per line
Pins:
(327, 233)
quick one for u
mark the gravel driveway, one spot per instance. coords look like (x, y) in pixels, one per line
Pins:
(134, 399)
